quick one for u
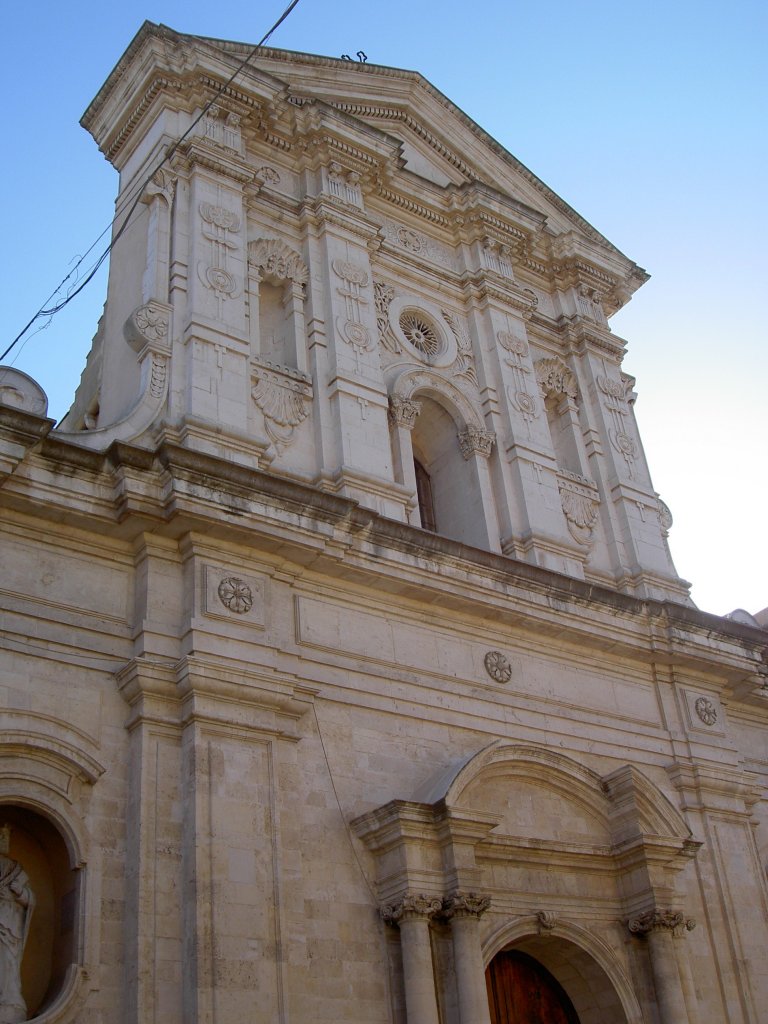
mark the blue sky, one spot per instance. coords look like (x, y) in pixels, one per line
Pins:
(649, 120)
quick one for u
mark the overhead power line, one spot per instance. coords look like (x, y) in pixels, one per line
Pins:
(50, 311)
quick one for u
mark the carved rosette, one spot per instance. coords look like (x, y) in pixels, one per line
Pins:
(410, 907)
(660, 920)
(466, 904)
(403, 411)
(236, 595)
(497, 666)
(284, 397)
(274, 258)
(706, 710)
(580, 501)
(475, 441)
(554, 378)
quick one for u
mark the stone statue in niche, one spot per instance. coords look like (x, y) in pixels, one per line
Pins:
(17, 902)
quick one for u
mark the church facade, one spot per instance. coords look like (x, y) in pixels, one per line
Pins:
(346, 675)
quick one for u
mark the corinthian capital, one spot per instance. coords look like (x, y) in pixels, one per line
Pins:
(657, 920)
(466, 904)
(403, 411)
(412, 905)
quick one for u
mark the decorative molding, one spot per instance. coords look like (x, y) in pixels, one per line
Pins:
(275, 258)
(222, 128)
(546, 919)
(351, 328)
(591, 304)
(403, 411)
(411, 906)
(218, 224)
(706, 710)
(476, 441)
(617, 398)
(497, 666)
(284, 396)
(555, 378)
(417, 244)
(498, 258)
(267, 173)
(235, 594)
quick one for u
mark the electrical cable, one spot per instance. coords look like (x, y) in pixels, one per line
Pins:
(53, 310)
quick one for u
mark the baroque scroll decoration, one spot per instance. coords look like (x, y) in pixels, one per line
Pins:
(351, 327)
(383, 294)
(464, 364)
(617, 398)
(274, 258)
(219, 224)
(284, 397)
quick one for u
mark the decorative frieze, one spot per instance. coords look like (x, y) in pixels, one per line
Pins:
(417, 244)
(476, 441)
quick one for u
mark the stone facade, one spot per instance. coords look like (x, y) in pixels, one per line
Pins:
(342, 645)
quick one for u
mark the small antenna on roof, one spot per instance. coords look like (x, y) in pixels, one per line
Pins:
(362, 57)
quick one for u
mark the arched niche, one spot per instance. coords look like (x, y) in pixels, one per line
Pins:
(54, 938)
(444, 451)
(277, 279)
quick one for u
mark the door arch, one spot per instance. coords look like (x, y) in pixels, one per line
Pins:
(521, 990)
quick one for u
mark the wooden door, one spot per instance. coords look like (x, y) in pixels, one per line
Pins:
(522, 991)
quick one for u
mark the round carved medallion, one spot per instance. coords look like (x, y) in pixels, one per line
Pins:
(706, 710)
(236, 595)
(498, 667)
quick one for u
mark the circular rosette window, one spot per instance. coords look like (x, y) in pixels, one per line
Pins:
(423, 333)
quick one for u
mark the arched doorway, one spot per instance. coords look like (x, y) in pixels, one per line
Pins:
(522, 991)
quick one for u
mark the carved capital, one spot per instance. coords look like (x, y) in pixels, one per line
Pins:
(658, 920)
(403, 411)
(466, 904)
(411, 907)
(475, 441)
